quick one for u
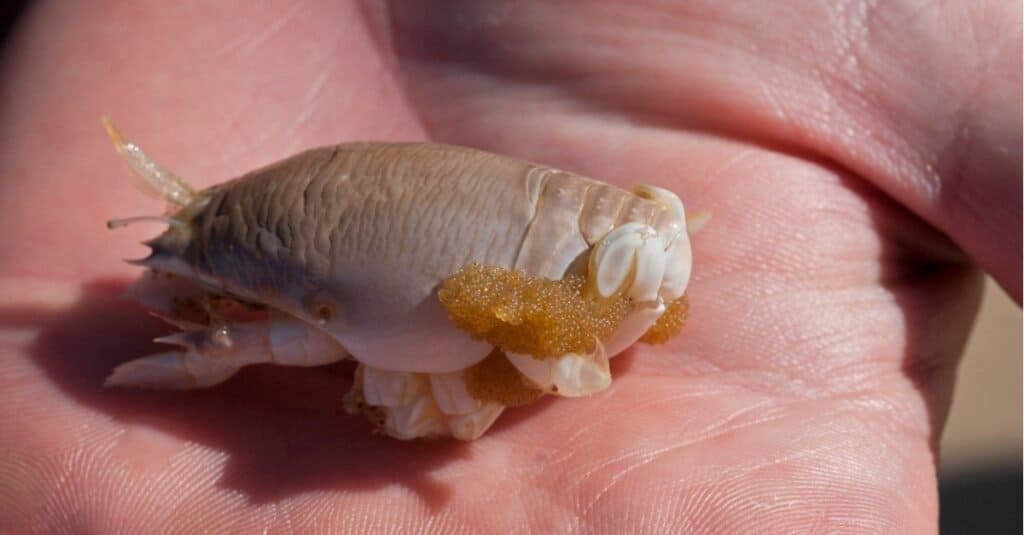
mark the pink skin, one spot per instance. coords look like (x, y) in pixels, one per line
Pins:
(860, 159)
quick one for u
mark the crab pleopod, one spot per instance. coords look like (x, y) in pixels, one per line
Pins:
(461, 282)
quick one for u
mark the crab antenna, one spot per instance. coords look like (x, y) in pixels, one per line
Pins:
(167, 185)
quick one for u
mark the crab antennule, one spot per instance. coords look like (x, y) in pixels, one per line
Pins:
(158, 180)
(124, 221)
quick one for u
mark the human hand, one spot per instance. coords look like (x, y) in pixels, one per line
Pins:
(857, 161)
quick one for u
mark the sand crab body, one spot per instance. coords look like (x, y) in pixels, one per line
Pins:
(391, 254)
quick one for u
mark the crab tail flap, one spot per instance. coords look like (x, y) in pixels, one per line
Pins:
(165, 184)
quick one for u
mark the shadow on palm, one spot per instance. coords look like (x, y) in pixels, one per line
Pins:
(284, 429)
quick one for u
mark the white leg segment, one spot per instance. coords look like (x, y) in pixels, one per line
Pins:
(418, 405)
(382, 388)
(471, 426)
(570, 375)
(612, 259)
(679, 262)
(172, 370)
(663, 197)
(450, 392)
(678, 256)
(631, 258)
(649, 270)
(211, 354)
(633, 326)
(468, 417)
(411, 411)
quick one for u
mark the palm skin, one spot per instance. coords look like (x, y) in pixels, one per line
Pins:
(833, 287)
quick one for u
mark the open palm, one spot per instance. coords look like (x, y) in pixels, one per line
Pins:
(833, 287)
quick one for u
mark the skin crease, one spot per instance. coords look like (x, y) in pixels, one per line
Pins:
(858, 161)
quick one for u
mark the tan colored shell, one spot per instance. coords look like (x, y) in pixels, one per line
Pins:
(371, 230)
(463, 282)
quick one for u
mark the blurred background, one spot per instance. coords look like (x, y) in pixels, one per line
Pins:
(980, 474)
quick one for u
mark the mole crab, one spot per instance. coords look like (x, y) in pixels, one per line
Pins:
(461, 282)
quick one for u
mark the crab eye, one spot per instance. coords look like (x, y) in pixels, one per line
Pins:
(324, 312)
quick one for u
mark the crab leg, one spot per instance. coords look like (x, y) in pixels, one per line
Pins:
(212, 354)
(632, 259)
(416, 405)
(570, 375)
(468, 418)
(629, 262)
